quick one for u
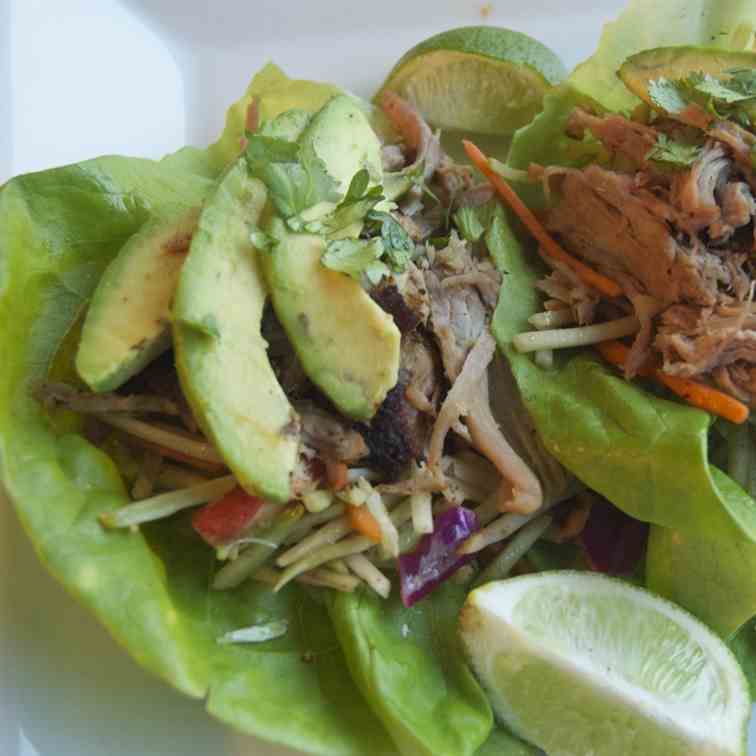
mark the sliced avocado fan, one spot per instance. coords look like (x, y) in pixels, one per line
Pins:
(221, 355)
(127, 323)
(348, 346)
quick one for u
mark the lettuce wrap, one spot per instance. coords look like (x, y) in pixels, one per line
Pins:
(351, 673)
(333, 683)
(647, 455)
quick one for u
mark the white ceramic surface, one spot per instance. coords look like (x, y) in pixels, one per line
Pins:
(142, 77)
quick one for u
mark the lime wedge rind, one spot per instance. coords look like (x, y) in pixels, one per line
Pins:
(478, 79)
(569, 662)
(494, 42)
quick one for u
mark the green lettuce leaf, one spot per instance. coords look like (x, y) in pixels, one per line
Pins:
(408, 665)
(502, 743)
(544, 140)
(673, 154)
(58, 229)
(743, 645)
(717, 583)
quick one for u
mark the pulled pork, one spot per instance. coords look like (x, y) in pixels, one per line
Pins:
(462, 294)
(679, 242)
(443, 307)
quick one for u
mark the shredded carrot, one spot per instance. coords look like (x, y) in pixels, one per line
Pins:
(698, 394)
(616, 353)
(705, 397)
(337, 475)
(598, 281)
(363, 522)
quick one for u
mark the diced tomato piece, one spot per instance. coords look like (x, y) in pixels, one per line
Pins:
(224, 520)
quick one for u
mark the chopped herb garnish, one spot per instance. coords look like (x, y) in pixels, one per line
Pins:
(668, 95)
(352, 256)
(672, 153)
(350, 213)
(410, 177)
(295, 179)
(376, 271)
(397, 245)
(468, 224)
(357, 187)
(743, 80)
(716, 89)
(722, 96)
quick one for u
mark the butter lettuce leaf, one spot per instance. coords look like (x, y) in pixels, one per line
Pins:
(150, 589)
(717, 583)
(408, 665)
(501, 743)
(743, 645)
(58, 229)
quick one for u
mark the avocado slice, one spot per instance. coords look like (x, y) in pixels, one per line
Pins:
(221, 355)
(678, 63)
(340, 135)
(127, 323)
(347, 344)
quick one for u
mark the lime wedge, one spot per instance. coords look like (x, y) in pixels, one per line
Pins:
(480, 79)
(578, 663)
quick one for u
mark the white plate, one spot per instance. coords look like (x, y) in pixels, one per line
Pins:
(143, 77)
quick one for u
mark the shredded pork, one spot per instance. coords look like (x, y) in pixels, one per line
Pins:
(460, 317)
(678, 241)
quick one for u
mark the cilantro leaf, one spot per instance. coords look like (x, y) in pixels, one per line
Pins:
(411, 177)
(668, 95)
(673, 154)
(376, 271)
(468, 224)
(398, 246)
(743, 80)
(352, 256)
(357, 187)
(322, 187)
(721, 96)
(353, 209)
(294, 180)
(719, 91)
